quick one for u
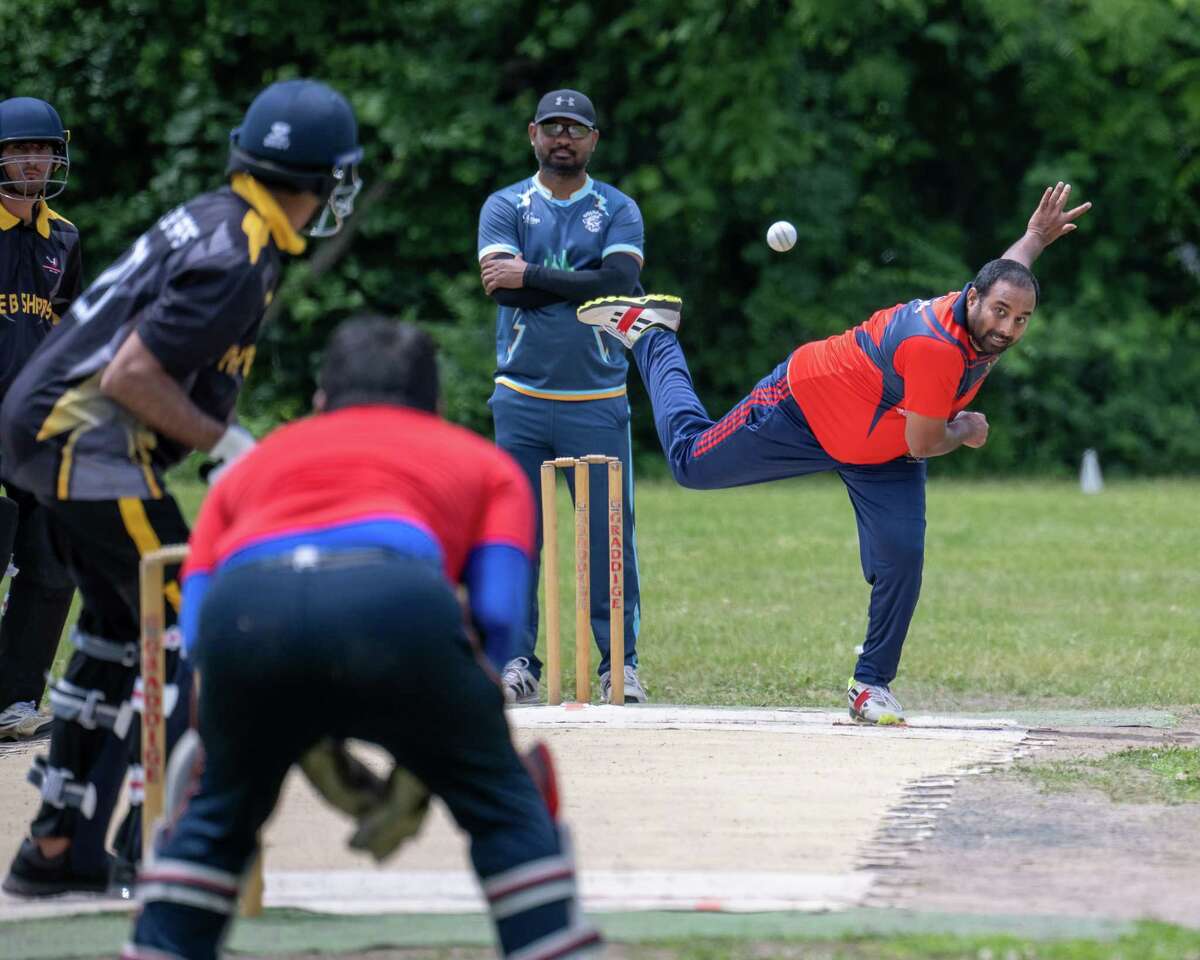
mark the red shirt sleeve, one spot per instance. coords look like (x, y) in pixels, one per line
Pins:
(932, 372)
(508, 511)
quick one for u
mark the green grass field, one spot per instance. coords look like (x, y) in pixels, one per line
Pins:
(1034, 595)
(1161, 774)
(1149, 942)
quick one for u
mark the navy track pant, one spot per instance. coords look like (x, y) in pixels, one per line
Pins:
(372, 650)
(765, 437)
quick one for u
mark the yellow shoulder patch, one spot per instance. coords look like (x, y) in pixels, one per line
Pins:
(257, 233)
(55, 215)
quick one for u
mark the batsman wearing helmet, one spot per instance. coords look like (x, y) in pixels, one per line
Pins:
(40, 274)
(323, 567)
(145, 367)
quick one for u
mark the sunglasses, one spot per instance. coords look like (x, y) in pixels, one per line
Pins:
(576, 131)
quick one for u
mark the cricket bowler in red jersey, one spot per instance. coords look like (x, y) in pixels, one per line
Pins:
(871, 404)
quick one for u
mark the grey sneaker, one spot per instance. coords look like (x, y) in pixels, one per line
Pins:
(21, 720)
(870, 703)
(634, 691)
(627, 318)
(520, 685)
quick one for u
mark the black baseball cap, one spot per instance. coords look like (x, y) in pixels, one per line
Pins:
(566, 103)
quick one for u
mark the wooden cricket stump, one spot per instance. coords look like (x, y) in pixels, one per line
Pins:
(154, 721)
(583, 576)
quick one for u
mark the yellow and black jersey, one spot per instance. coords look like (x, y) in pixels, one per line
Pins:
(41, 270)
(195, 287)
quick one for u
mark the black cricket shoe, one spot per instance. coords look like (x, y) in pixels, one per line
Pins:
(33, 875)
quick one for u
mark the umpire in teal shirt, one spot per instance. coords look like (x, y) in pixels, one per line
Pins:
(547, 244)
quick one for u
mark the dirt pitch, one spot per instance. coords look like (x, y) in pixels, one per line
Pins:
(700, 810)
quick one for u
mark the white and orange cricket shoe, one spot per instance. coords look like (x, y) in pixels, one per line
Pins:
(627, 318)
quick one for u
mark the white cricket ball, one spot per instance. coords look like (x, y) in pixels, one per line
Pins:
(781, 236)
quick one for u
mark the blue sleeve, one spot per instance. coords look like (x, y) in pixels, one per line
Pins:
(497, 582)
(498, 227)
(194, 589)
(626, 233)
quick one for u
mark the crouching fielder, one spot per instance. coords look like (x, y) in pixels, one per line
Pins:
(319, 602)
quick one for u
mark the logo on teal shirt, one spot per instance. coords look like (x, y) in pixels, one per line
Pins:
(557, 262)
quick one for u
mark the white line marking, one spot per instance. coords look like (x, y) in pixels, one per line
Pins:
(434, 891)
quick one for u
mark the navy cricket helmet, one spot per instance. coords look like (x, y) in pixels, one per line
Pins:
(29, 120)
(301, 134)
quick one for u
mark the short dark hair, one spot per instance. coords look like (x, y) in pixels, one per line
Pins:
(373, 360)
(1008, 270)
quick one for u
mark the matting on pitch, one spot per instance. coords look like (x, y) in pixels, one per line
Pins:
(679, 808)
(683, 808)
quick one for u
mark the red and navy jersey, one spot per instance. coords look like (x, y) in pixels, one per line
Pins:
(384, 476)
(41, 271)
(194, 287)
(856, 388)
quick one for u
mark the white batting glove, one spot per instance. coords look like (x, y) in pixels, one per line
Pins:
(234, 444)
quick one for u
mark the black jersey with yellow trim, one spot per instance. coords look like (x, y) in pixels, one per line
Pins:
(195, 287)
(41, 272)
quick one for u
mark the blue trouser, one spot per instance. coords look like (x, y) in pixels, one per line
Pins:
(365, 645)
(765, 437)
(532, 431)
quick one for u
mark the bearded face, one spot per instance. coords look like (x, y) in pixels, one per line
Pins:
(558, 149)
(998, 319)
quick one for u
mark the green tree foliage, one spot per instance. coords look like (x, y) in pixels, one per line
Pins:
(906, 139)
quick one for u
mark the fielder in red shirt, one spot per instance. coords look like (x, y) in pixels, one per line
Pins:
(398, 478)
(319, 604)
(871, 404)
